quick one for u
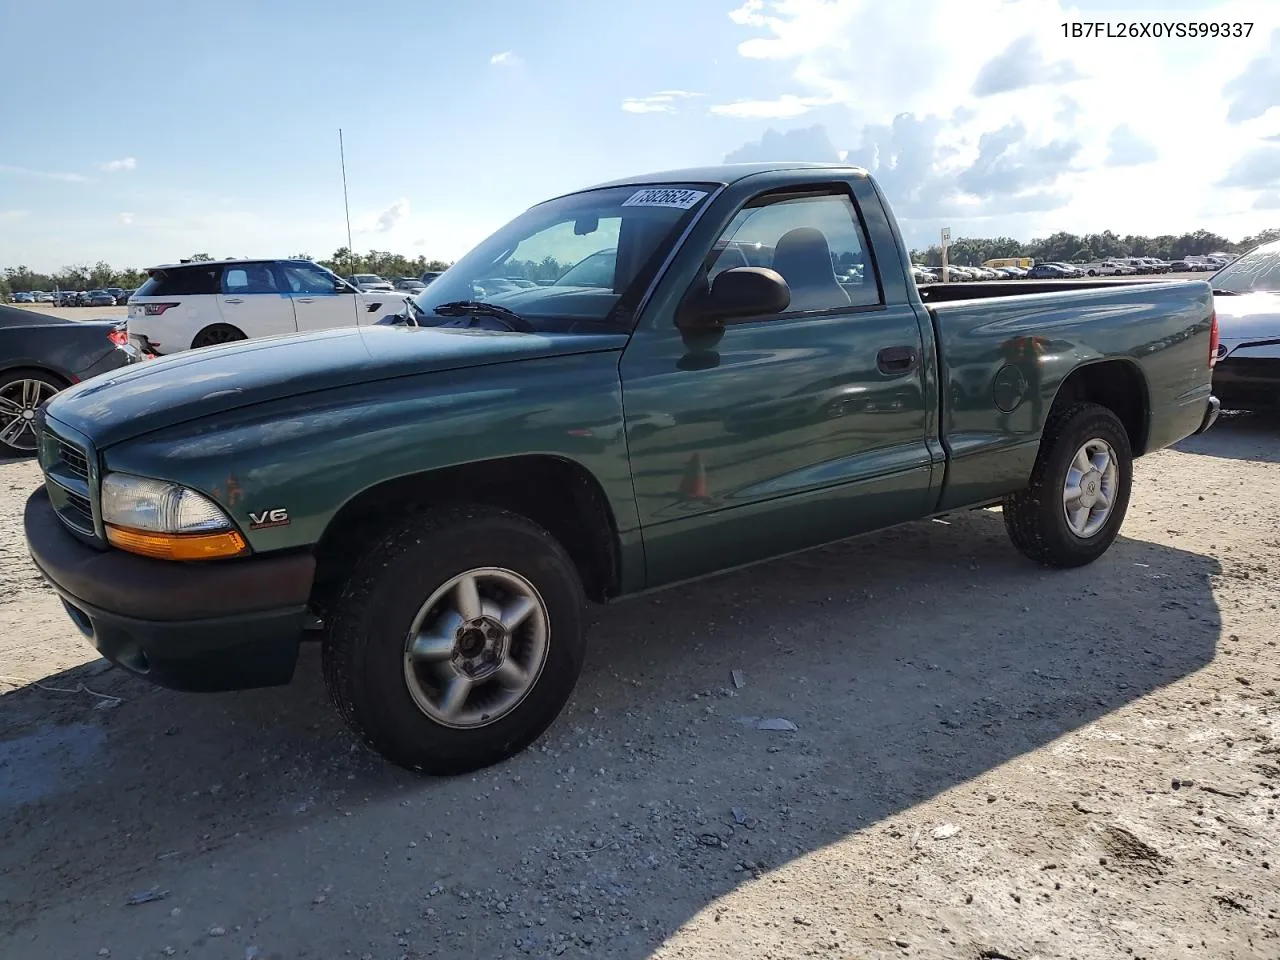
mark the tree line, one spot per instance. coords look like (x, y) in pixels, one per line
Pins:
(22, 279)
(973, 251)
(964, 251)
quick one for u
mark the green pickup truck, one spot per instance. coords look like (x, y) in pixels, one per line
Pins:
(626, 387)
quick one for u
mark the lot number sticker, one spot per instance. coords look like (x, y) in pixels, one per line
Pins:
(664, 197)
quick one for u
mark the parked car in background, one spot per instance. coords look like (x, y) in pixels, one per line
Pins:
(42, 296)
(41, 355)
(186, 305)
(1246, 296)
(409, 285)
(82, 298)
(118, 295)
(1107, 268)
(369, 282)
(23, 297)
(1050, 271)
(430, 275)
(435, 506)
(99, 298)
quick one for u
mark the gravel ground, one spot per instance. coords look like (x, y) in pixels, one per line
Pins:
(989, 761)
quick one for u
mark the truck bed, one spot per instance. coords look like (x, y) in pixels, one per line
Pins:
(981, 340)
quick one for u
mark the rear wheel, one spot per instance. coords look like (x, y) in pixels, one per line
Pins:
(457, 640)
(21, 394)
(217, 333)
(1072, 510)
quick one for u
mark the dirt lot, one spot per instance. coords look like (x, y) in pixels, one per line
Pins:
(990, 761)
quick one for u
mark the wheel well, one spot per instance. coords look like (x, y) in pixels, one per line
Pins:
(557, 494)
(8, 372)
(216, 326)
(1117, 385)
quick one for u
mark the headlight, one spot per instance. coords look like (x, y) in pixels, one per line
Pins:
(166, 520)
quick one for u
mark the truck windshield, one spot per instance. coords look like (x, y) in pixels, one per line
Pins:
(583, 258)
(1258, 271)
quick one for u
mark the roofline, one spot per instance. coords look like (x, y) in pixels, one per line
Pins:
(736, 171)
(222, 263)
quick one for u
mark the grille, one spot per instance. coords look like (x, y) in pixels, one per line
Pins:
(76, 463)
(77, 512)
(69, 479)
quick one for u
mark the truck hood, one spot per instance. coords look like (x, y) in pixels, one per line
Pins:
(1254, 316)
(161, 393)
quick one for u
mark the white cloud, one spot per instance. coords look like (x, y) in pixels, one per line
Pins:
(391, 216)
(664, 101)
(992, 121)
(117, 166)
(126, 219)
(784, 107)
(43, 174)
(11, 215)
(505, 59)
(1127, 149)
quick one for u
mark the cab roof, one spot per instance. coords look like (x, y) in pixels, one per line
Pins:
(726, 173)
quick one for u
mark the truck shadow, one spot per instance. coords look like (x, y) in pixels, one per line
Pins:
(910, 662)
(1238, 436)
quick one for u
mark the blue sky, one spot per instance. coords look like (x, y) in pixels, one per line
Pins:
(140, 132)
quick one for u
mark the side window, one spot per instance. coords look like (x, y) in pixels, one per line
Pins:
(304, 278)
(815, 242)
(249, 278)
(182, 282)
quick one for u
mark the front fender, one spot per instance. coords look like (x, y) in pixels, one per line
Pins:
(308, 455)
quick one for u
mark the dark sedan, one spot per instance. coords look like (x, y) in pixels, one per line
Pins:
(1246, 299)
(41, 355)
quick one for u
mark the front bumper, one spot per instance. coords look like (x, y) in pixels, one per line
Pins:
(1212, 408)
(217, 625)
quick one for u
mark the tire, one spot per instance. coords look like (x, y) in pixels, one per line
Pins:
(21, 391)
(1036, 518)
(217, 333)
(373, 680)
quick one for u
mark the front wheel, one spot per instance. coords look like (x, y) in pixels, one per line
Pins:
(1073, 508)
(457, 640)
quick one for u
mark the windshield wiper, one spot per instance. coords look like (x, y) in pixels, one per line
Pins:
(1225, 293)
(478, 308)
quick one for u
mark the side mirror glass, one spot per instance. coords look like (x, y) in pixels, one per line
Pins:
(737, 294)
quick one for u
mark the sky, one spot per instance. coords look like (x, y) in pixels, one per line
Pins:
(139, 132)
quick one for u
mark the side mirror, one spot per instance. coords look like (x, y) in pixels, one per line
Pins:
(735, 295)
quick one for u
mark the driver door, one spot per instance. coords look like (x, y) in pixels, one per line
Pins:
(792, 429)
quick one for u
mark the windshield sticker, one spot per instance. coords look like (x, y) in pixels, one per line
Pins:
(664, 197)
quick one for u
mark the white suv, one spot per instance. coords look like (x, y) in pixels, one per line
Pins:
(202, 303)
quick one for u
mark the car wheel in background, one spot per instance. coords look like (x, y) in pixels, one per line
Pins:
(217, 333)
(21, 394)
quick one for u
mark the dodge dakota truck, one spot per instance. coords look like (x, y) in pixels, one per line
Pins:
(632, 385)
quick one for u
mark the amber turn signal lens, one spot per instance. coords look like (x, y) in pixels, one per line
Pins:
(177, 546)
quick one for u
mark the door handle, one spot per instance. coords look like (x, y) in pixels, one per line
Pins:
(895, 361)
(232, 300)
(306, 299)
